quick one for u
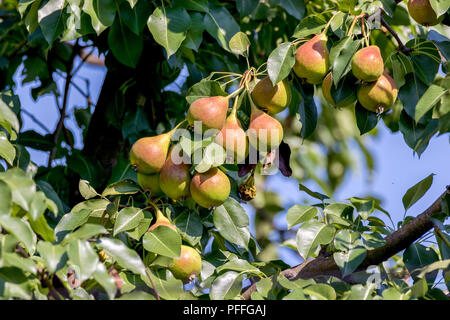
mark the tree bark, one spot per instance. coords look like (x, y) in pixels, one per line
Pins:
(395, 242)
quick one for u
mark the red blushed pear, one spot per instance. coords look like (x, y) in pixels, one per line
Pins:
(312, 59)
(211, 111)
(367, 64)
(210, 188)
(378, 96)
(161, 220)
(150, 183)
(265, 133)
(272, 98)
(148, 154)
(422, 12)
(175, 178)
(188, 265)
(233, 139)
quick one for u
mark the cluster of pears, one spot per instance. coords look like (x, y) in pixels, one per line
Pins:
(188, 265)
(422, 12)
(378, 91)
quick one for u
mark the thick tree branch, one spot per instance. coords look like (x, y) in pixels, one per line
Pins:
(395, 242)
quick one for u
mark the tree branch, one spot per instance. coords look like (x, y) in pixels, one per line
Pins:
(401, 46)
(395, 242)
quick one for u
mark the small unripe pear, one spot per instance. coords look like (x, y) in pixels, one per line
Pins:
(175, 178)
(265, 133)
(312, 59)
(327, 83)
(378, 96)
(148, 154)
(210, 188)
(150, 183)
(211, 111)
(422, 12)
(367, 64)
(188, 265)
(272, 98)
(233, 139)
(161, 220)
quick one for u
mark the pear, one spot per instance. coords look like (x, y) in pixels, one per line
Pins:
(211, 111)
(233, 139)
(272, 98)
(422, 12)
(188, 265)
(161, 220)
(367, 64)
(210, 188)
(148, 154)
(378, 96)
(265, 133)
(312, 59)
(150, 183)
(175, 178)
(327, 83)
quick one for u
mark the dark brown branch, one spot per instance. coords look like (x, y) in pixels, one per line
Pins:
(395, 242)
(401, 46)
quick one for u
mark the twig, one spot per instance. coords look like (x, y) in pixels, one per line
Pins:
(401, 46)
(36, 120)
(153, 284)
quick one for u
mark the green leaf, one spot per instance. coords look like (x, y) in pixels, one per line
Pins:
(194, 36)
(336, 213)
(360, 292)
(7, 150)
(87, 192)
(54, 255)
(195, 5)
(22, 187)
(83, 257)
(341, 56)
(416, 257)
(105, 11)
(125, 45)
(280, 62)
(294, 284)
(349, 260)
(124, 256)
(416, 192)
(21, 230)
(8, 119)
(310, 235)
(411, 92)
(307, 111)
(295, 8)
(86, 231)
(438, 265)
(417, 135)
(190, 227)
(41, 227)
(296, 294)
(163, 240)
(220, 24)
(226, 286)
(142, 228)
(440, 6)
(38, 205)
(246, 7)
(239, 44)
(239, 265)
(51, 19)
(69, 222)
(313, 194)
(320, 291)
(364, 206)
(300, 213)
(204, 88)
(88, 7)
(420, 288)
(230, 221)
(429, 99)
(168, 27)
(365, 119)
(105, 280)
(166, 285)
(312, 24)
(128, 218)
(11, 259)
(5, 199)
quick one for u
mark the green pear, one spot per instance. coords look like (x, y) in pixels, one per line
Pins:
(312, 59)
(150, 183)
(175, 178)
(272, 98)
(211, 111)
(188, 265)
(148, 154)
(210, 188)
(422, 12)
(265, 133)
(367, 64)
(378, 96)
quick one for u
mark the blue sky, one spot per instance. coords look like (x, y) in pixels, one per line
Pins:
(396, 167)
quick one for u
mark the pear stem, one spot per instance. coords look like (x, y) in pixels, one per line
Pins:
(353, 24)
(171, 132)
(235, 93)
(328, 24)
(235, 104)
(363, 30)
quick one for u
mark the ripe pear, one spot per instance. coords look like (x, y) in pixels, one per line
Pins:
(312, 59)
(175, 178)
(422, 12)
(150, 183)
(188, 265)
(272, 98)
(233, 139)
(367, 64)
(210, 188)
(211, 111)
(265, 133)
(378, 96)
(161, 220)
(148, 154)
